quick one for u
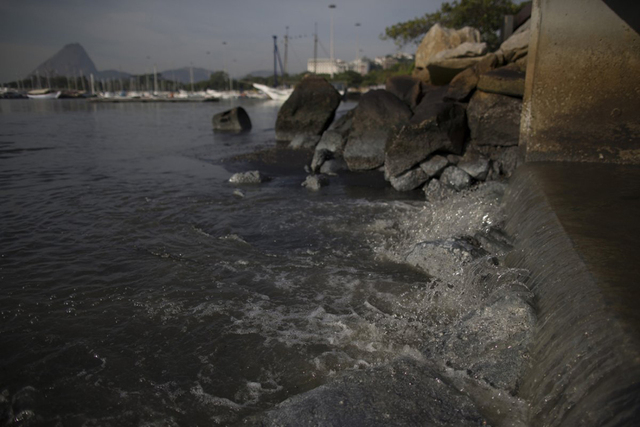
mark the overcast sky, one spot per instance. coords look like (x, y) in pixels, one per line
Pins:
(133, 35)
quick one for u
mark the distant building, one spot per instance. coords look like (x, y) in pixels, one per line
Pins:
(389, 61)
(324, 66)
(361, 66)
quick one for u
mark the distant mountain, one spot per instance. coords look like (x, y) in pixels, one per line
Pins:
(183, 75)
(261, 73)
(69, 61)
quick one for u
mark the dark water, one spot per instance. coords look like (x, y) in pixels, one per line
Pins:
(137, 289)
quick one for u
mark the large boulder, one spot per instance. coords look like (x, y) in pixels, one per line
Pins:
(309, 110)
(335, 138)
(462, 86)
(507, 80)
(234, 120)
(407, 88)
(456, 178)
(443, 71)
(409, 180)
(378, 114)
(494, 119)
(437, 39)
(517, 46)
(439, 127)
(465, 50)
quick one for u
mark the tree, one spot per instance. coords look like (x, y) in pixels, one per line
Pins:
(485, 15)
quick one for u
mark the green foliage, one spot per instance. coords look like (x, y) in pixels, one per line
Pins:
(349, 78)
(380, 76)
(485, 15)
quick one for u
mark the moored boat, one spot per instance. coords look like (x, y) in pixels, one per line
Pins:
(43, 94)
(273, 93)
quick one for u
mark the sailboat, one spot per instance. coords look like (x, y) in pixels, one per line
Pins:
(277, 94)
(43, 94)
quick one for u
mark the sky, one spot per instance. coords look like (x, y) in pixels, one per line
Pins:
(135, 35)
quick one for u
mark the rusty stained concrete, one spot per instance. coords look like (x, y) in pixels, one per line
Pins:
(582, 89)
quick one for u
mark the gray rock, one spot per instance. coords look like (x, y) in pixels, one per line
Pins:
(332, 140)
(304, 142)
(402, 393)
(406, 88)
(319, 157)
(444, 130)
(252, 177)
(434, 165)
(455, 178)
(333, 166)
(309, 110)
(441, 258)
(378, 114)
(234, 120)
(409, 180)
(343, 124)
(465, 50)
(494, 119)
(435, 191)
(315, 182)
(453, 159)
(475, 165)
(516, 46)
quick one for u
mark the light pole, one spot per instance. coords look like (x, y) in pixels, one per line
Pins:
(332, 6)
(357, 40)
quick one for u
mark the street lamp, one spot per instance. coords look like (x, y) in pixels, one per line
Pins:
(332, 6)
(357, 41)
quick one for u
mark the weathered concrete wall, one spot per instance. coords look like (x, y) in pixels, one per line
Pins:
(582, 91)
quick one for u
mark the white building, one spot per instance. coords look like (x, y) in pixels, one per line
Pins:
(361, 66)
(324, 66)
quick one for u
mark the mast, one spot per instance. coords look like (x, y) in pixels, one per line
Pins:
(93, 84)
(315, 50)
(191, 75)
(155, 79)
(332, 6)
(275, 61)
(286, 48)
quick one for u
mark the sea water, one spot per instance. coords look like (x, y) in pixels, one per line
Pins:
(138, 287)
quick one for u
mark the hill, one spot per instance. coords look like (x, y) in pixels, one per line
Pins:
(69, 61)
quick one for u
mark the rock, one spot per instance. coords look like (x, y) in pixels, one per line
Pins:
(516, 46)
(463, 85)
(434, 165)
(405, 392)
(442, 72)
(319, 157)
(508, 80)
(494, 119)
(435, 191)
(344, 123)
(475, 165)
(440, 128)
(408, 89)
(333, 166)
(491, 343)
(309, 110)
(304, 142)
(441, 258)
(235, 119)
(315, 182)
(437, 39)
(455, 178)
(252, 177)
(504, 160)
(332, 141)
(409, 180)
(465, 50)
(378, 114)
(453, 159)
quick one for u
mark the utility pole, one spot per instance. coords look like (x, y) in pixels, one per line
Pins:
(357, 42)
(286, 48)
(275, 61)
(331, 7)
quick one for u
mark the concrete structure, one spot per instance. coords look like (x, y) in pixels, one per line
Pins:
(326, 66)
(582, 91)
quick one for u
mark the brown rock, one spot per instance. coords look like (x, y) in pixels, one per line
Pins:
(463, 85)
(442, 72)
(508, 80)
(437, 39)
